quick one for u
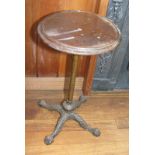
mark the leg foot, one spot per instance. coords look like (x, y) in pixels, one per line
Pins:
(96, 132)
(41, 103)
(48, 140)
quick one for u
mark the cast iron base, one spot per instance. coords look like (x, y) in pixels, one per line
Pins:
(66, 113)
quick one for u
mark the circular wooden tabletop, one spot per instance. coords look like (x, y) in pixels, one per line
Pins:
(79, 32)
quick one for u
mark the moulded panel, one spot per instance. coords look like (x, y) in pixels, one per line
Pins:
(30, 47)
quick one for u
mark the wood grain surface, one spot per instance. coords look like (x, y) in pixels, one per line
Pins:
(79, 32)
(107, 111)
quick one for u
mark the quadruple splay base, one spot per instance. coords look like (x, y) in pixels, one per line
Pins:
(66, 113)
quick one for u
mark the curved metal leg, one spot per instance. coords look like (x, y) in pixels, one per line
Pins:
(95, 131)
(49, 139)
(53, 106)
(82, 98)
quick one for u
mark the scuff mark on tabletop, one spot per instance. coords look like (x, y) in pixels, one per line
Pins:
(68, 38)
(56, 33)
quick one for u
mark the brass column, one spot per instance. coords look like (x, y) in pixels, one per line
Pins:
(73, 77)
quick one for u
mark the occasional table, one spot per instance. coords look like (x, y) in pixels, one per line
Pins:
(78, 33)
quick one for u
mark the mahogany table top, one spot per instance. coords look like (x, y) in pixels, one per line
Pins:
(79, 32)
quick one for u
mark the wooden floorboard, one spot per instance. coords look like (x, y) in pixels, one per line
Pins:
(107, 112)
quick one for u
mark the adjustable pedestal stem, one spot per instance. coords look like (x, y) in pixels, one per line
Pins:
(66, 108)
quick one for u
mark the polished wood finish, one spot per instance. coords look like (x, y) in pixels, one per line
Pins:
(79, 32)
(30, 45)
(89, 75)
(102, 4)
(41, 61)
(111, 115)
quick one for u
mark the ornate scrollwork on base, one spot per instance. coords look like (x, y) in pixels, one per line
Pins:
(104, 59)
(67, 114)
(115, 11)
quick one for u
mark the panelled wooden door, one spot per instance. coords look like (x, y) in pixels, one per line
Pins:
(42, 61)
